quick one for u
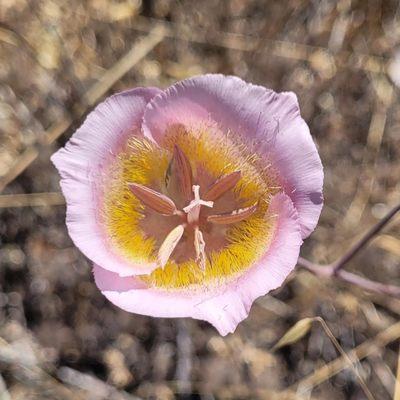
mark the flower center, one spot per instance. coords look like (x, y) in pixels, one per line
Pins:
(152, 215)
(180, 172)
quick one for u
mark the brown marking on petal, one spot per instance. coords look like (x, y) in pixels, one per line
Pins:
(233, 217)
(155, 200)
(200, 245)
(222, 185)
(169, 244)
(184, 171)
(168, 174)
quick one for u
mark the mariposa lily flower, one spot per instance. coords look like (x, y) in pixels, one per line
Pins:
(192, 201)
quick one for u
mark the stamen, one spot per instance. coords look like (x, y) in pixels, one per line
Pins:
(184, 172)
(169, 244)
(222, 185)
(199, 245)
(155, 200)
(233, 217)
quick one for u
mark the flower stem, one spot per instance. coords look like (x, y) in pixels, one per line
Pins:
(364, 240)
(335, 269)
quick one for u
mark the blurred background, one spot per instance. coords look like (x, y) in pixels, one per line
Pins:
(59, 337)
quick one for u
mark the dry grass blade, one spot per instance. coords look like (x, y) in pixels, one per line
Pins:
(302, 327)
(222, 185)
(371, 346)
(116, 72)
(121, 67)
(339, 348)
(31, 200)
(233, 217)
(152, 199)
(19, 166)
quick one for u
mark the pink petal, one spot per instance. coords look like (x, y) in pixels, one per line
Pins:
(80, 164)
(226, 306)
(270, 120)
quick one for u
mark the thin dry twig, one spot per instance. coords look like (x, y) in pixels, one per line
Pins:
(365, 349)
(339, 348)
(302, 328)
(116, 72)
(31, 200)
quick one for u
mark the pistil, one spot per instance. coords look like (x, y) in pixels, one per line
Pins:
(193, 209)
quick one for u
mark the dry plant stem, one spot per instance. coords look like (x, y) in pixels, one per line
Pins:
(335, 269)
(31, 200)
(365, 349)
(346, 357)
(116, 72)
